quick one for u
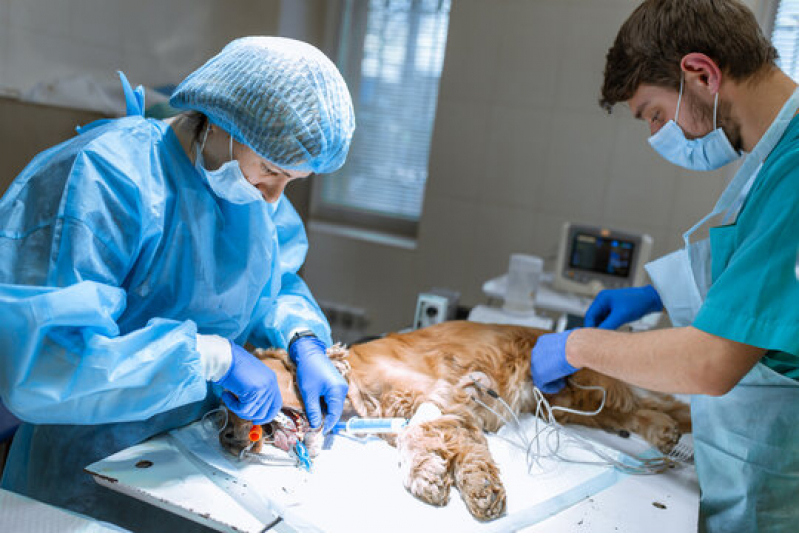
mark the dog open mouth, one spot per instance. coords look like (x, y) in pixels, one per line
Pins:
(289, 432)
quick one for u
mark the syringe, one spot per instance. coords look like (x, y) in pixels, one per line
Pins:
(370, 425)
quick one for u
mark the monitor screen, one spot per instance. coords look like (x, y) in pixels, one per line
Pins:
(601, 254)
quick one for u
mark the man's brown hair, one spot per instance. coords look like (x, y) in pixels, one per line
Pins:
(652, 42)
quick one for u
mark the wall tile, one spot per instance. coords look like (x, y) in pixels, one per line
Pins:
(472, 53)
(49, 58)
(589, 33)
(329, 257)
(5, 13)
(501, 231)
(97, 22)
(530, 51)
(548, 227)
(447, 246)
(576, 175)
(388, 277)
(206, 26)
(518, 145)
(669, 240)
(174, 57)
(380, 279)
(457, 165)
(154, 42)
(694, 197)
(642, 185)
(238, 18)
(45, 17)
(5, 28)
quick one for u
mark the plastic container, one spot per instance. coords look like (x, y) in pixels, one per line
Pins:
(524, 276)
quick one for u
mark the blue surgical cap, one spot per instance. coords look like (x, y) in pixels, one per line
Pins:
(281, 97)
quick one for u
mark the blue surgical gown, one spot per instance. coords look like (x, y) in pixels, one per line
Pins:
(114, 254)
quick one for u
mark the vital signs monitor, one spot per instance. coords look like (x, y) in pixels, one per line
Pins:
(592, 258)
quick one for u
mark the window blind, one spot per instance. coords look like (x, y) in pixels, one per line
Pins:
(391, 55)
(785, 37)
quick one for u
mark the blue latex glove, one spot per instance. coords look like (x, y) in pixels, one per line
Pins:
(252, 389)
(318, 378)
(612, 308)
(548, 363)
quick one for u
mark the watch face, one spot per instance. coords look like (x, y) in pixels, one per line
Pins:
(304, 333)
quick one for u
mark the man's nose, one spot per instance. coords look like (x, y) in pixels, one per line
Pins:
(272, 194)
(654, 127)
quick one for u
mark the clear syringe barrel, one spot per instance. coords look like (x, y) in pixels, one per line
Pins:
(372, 425)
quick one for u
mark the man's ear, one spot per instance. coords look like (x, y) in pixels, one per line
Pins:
(701, 72)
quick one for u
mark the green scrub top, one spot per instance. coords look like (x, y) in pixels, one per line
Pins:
(754, 297)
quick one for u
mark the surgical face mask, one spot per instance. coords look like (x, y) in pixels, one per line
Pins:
(705, 153)
(227, 182)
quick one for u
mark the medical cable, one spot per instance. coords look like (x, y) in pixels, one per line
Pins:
(517, 424)
(213, 412)
(537, 448)
(513, 426)
(683, 451)
(630, 464)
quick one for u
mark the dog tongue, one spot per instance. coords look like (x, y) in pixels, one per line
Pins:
(285, 440)
(289, 427)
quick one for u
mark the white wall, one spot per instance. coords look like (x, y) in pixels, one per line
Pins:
(520, 146)
(155, 42)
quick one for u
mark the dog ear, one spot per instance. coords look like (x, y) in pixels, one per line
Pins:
(270, 353)
(339, 354)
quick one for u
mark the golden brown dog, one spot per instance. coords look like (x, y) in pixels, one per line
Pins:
(393, 376)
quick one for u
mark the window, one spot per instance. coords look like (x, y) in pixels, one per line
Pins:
(785, 36)
(391, 53)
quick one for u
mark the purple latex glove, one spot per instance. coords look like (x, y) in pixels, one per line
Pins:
(251, 387)
(615, 307)
(318, 378)
(548, 364)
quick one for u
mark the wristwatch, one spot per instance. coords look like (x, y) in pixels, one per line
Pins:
(301, 333)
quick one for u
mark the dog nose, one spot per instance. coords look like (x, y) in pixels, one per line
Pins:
(229, 441)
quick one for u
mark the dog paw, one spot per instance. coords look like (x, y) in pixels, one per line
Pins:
(427, 478)
(313, 441)
(662, 431)
(481, 490)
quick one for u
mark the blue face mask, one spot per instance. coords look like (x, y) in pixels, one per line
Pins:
(705, 153)
(227, 182)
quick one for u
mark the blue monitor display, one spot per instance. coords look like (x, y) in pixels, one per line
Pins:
(602, 255)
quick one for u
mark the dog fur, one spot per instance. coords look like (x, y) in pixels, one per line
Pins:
(393, 376)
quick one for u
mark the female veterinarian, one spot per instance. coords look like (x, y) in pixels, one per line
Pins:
(703, 76)
(137, 257)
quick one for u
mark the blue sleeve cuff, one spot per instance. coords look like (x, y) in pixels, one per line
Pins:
(761, 331)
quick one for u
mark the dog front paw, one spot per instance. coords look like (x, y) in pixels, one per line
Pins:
(481, 489)
(425, 473)
(661, 430)
(426, 477)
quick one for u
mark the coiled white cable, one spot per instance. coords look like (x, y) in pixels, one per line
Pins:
(549, 446)
(206, 421)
